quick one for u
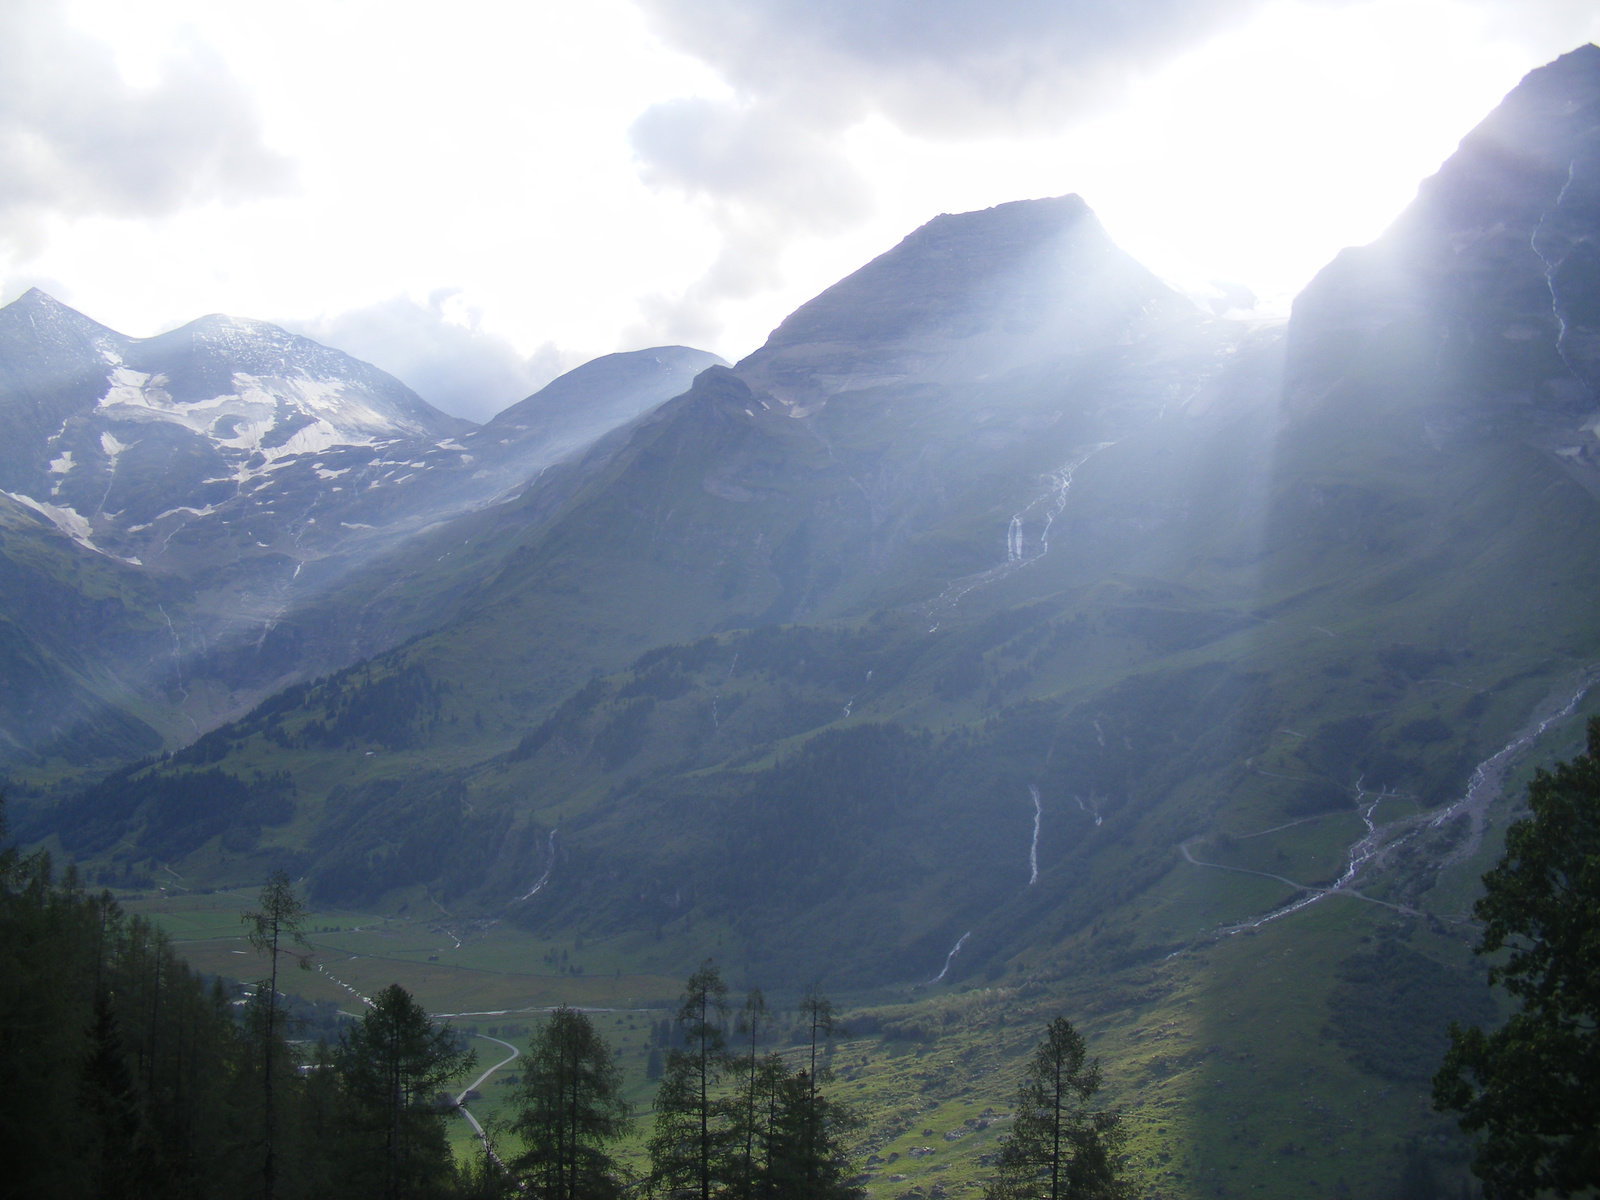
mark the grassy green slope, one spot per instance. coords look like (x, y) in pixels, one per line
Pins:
(1163, 709)
(1394, 618)
(82, 649)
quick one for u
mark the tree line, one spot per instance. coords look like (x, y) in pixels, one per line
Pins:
(128, 1075)
(730, 1122)
(734, 1123)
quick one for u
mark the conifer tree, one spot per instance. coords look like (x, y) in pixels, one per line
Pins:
(803, 1157)
(1058, 1148)
(690, 1142)
(819, 1015)
(274, 929)
(130, 1069)
(569, 1107)
(393, 1062)
(752, 1020)
(112, 1106)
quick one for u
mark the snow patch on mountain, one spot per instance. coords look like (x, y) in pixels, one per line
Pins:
(261, 425)
(67, 520)
(112, 449)
(185, 508)
(245, 418)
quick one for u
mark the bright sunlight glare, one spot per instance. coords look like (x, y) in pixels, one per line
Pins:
(485, 150)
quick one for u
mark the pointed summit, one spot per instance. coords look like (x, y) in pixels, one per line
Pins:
(54, 362)
(38, 318)
(936, 278)
(964, 295)
(575, 408)
(35, 298)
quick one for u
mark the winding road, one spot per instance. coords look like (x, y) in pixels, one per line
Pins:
(1314, 894)
(461, 1100)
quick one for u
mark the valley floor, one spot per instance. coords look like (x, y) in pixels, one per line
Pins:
(1237, 1069)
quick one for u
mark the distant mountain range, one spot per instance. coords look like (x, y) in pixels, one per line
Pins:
(226, 472)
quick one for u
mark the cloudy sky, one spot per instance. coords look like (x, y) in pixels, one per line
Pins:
(479, 195)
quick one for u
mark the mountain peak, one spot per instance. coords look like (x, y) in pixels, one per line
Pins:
(928, 281)
(47, 317)
(964, 295)
(578, 407)
(654, 374)
(202, 359)
(37, 298)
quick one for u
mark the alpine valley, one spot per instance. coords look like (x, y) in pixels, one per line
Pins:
(1008, 635)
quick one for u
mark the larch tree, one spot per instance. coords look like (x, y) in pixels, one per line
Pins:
(821, 1024)
(1059, 1148)
(689, 1144)
(394, 1060)
(804, 1155)
(752, 1020)
(274, 930)
(568, 1109)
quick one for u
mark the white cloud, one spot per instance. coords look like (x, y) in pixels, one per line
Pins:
(763, 176)
(439, 350)
(748, 265)
(1217, 138)
(770, 162)
(758, 155)
(77, 139)
(938, 66)
(966, 68)
(592, 183)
